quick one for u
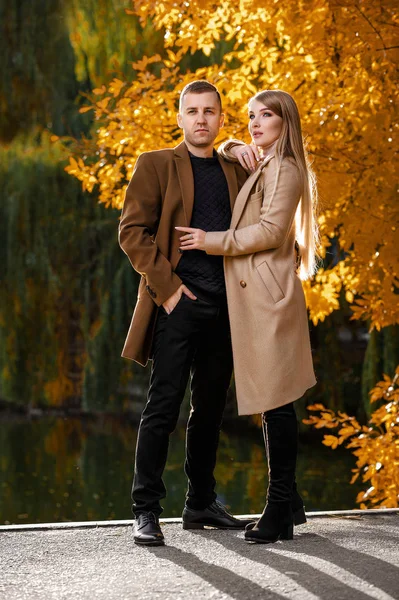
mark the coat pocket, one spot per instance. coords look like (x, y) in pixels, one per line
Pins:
(270, 282)
(256, 197)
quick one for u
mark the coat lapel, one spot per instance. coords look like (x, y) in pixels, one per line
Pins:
(186, 179)
(245, 192)
(231, 178)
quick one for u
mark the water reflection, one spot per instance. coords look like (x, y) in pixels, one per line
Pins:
(72, 470)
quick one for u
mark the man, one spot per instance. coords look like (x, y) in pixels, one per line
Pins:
(180, 319)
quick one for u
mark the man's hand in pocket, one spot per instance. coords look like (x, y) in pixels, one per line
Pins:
(170, 304)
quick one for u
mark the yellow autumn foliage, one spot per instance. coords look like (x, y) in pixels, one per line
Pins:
(375, 445)
(338, 58)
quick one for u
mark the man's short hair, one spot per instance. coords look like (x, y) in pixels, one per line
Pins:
(199, 87)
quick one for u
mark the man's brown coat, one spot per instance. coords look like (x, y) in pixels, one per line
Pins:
(159, 197)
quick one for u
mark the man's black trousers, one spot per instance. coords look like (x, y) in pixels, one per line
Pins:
(194, 338)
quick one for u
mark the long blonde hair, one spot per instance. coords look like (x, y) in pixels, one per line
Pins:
(290, 143)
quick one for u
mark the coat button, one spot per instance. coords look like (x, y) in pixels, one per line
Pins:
(242, 283)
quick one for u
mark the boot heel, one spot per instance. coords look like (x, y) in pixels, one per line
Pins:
(192, 526)
(287, 532)
(300, 516)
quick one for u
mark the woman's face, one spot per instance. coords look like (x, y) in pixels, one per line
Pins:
(264, 125)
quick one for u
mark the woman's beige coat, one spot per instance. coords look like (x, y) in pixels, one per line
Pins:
(268, 317)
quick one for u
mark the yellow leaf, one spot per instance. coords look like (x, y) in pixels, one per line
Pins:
(99, 91)
(103, 103)
(330, 440)
(85, 109)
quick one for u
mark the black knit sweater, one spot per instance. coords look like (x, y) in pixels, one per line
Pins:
(200, 272)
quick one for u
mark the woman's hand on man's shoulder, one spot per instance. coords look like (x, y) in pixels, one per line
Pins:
(247, 155)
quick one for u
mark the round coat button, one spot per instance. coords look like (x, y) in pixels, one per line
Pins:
(242, 283)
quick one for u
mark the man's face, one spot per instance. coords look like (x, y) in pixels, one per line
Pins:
(200, 118)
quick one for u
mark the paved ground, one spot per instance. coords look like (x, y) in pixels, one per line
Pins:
(352, 558)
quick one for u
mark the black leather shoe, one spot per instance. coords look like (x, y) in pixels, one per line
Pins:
(147, 531)
(215, 515)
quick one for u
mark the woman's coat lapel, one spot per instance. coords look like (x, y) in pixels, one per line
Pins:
(244, 193)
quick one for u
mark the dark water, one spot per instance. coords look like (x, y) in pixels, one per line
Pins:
(72, 470)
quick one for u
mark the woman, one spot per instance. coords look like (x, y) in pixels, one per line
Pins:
(273, 220)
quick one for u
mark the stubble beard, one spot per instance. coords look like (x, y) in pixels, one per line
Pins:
(201, 143)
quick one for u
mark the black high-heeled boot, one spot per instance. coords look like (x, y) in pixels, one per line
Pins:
(297, 506)
(276, 522)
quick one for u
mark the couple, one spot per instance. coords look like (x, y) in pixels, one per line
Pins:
(216, 239)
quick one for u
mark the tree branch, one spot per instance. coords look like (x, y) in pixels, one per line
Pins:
(371, 25)
(386, 48)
